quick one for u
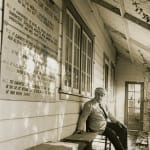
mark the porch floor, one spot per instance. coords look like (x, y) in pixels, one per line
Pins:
(136, 141)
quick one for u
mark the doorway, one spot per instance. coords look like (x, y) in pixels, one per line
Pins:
(134, 94)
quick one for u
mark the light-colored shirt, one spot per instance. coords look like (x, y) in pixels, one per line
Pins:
(95, 115)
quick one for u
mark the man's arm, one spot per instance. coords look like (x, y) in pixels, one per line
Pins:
(83, 117)
(114, 120)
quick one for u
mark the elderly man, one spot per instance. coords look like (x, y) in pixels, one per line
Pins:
(100, 120)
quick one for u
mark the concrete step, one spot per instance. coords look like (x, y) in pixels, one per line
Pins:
(60, 146)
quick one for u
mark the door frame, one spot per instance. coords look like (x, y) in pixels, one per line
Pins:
(142, 102)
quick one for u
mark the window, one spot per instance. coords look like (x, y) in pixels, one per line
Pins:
(106, 71)
(72, 53)
(106, 76)
(77, 47)
(112, 82)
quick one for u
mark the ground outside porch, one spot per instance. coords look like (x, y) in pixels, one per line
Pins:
(138, 140)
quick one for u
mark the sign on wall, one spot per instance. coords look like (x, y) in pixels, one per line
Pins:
(139, 8)
(29, 50)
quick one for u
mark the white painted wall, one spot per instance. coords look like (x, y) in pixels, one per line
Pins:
(1, 3)
(126, 71)
(24, 124)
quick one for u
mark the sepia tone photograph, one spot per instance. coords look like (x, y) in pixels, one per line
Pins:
(74, 74)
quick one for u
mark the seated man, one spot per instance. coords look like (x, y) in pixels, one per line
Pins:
(100, 120)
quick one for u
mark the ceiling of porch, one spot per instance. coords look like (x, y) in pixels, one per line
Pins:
(128, 24)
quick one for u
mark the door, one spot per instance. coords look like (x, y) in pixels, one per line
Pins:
(134, 105)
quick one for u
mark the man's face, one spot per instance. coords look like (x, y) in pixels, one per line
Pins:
(99, 96)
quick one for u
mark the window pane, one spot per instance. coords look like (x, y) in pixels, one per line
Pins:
(89, 49)
(106, 76)
(67, 25)
(137, 99)
(137, 87)
(86, 63)
(68, 50)
(75, 56)
(88, 66)
(76, 63)
(88, 84)
(130, 87)
(112, 82)
(77, 35)
(130, 110)
(137, 103)
(76, 79)
(137, 111)
(131, 103)
(83, 59)
(137, 95)
(84, 40)
(78, 57)
(70, 28)
(83, 82)
(131, 95)
(83, 62)
(68, 75)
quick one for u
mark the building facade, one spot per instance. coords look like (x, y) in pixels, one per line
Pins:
(53, 55)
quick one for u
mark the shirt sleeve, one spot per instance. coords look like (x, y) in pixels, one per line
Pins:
(87, 108)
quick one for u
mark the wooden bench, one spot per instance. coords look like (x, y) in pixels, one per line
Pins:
(82, 141)
(86, 140)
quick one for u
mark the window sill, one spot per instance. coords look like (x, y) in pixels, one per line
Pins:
(70, 95)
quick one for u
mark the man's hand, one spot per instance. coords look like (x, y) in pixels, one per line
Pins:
(120, 124)
(79, 131)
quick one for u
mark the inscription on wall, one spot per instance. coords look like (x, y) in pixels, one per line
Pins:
(29, 50)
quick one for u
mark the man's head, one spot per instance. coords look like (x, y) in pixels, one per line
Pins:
(99, 93)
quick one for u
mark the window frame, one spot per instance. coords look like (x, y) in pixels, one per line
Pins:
(68, 7)
(72, 64)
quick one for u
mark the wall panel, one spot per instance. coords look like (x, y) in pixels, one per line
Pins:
(66, 120)
(29, 141)
(21, 109)
(27, 123)
(66, 107)
(126, 71)
(11, 129)
(66, 131)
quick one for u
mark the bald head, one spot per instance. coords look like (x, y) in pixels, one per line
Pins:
(100, 91)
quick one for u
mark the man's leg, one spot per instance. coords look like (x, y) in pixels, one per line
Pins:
(111, 134)
(121, 132)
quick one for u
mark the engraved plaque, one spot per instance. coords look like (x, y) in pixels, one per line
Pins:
(29, 52)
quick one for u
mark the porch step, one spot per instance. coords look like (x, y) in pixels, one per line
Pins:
(60, 146)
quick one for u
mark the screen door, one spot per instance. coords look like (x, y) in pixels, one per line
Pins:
(134, 105)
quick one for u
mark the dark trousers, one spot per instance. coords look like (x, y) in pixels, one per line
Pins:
(117, 134)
